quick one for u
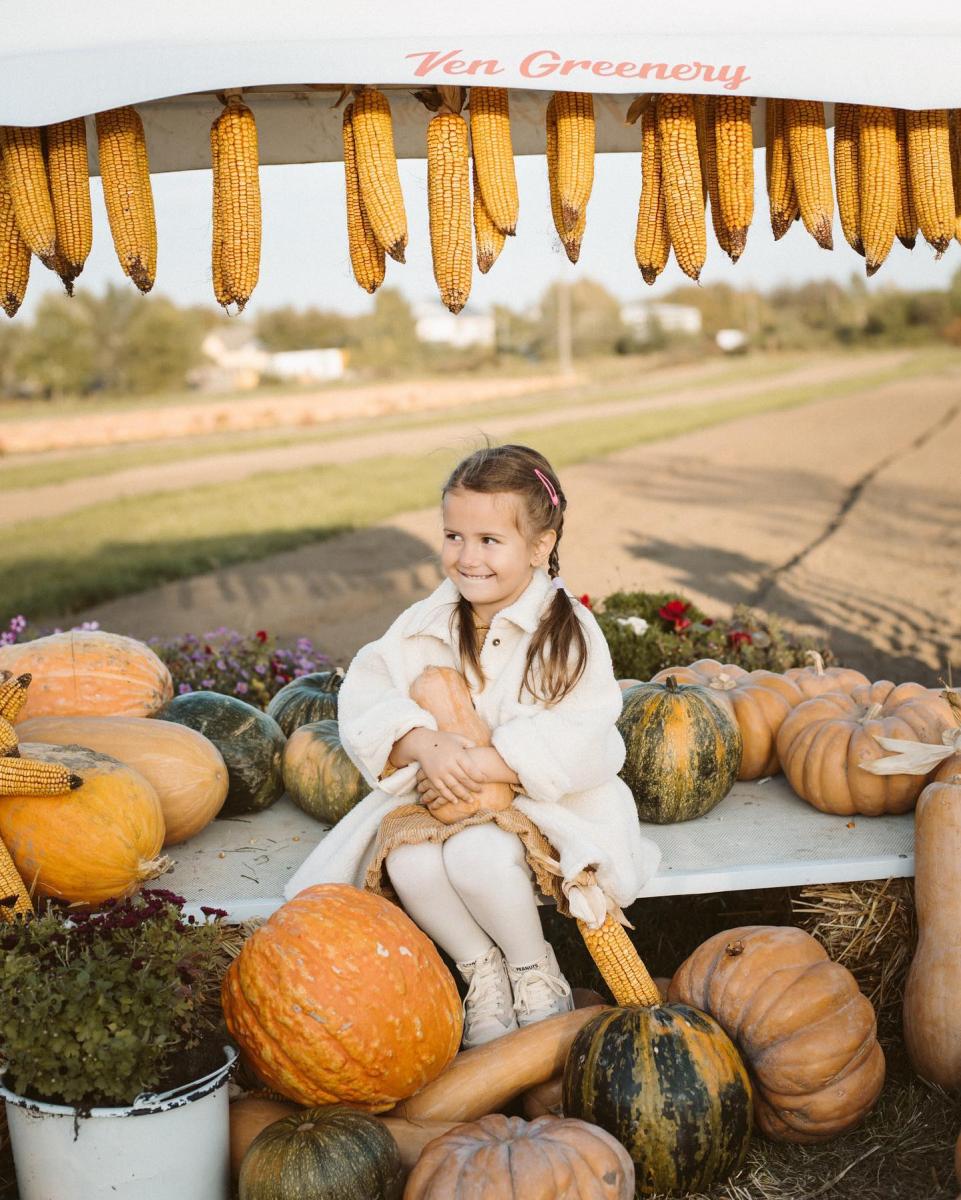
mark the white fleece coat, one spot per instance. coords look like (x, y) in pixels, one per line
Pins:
(567, 756)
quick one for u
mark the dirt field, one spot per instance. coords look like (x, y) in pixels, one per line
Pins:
(843, 515)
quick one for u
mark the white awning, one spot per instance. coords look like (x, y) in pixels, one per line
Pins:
(61, 59)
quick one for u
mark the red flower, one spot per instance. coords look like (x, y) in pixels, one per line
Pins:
(585, 600)
(261, 635)
(737, 636)
(673, 612)
(681, 624)
(708, 622)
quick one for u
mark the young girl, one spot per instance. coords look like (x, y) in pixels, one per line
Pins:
(540, 676)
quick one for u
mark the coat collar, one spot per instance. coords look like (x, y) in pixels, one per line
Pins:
(434, 614)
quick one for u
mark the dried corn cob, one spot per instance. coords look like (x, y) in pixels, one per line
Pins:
(574, 113)
(570, 238)
(28, 777)
(221, 294)
(811, 168)
(700, 124)
(127, 193)
(70, 193)
(14, 897)
(878, 161)
(681, 175)
(929, 159)
(734, 156)
(448, 201)
(907, 228)
(14, 255)
(26, 176)
(13, 695)
(490, 134)
(619, 963)
(707, 143)
(377, 171)
(846, 176)
(956, 168)
(366, 253)
(233, 152)
(488, 237)
(652, 246)
(8, 739)
(782, 198)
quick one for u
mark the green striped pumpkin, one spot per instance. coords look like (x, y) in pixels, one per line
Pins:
(669, 1084)
(322, 1154)
(318, 775)
(307, 698)
(683, 750)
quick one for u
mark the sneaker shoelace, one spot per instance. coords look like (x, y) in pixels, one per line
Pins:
(483, 995)
(536, 989)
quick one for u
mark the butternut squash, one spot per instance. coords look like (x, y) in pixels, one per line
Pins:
(445, 694)
(412, 1136)
(932, 1017)
(545, 1100)
(482, 1080)
(248, 1117)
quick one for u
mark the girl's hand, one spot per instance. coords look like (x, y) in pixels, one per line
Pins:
(432, 800)
(446, 764)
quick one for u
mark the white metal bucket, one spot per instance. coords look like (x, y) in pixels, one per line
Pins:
(172, 1146)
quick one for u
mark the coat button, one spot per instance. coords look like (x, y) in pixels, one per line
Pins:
(497, 641)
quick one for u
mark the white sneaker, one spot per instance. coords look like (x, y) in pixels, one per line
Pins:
(540, 990)
(489, 1003)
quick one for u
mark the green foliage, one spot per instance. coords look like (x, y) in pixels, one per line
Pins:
(679, 633)
(311, 329)
(95, 1006)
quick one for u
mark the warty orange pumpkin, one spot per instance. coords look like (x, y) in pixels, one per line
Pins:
(340, 998)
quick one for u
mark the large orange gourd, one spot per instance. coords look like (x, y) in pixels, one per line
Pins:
(339, 998)
(96, 843)
(89, 673)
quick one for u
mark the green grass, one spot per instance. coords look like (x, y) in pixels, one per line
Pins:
(55, 567)
(100, 461)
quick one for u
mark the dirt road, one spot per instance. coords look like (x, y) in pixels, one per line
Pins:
(843, 515)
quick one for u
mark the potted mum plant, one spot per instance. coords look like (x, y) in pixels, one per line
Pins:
(106, 1015)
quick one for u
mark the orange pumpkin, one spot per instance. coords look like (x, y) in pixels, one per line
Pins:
(759, 701)
(816, 679)
(339, 998)
(806, 1032)
(186, 770)
(96, 843)
(501, 1156)
(89, 673)
(824, 741)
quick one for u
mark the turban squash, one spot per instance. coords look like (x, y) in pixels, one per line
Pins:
(807, 1033)
(339, 998)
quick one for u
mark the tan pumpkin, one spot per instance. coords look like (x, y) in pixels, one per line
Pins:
(89, 673)
(445, 694)
(248, 1116)
(96, 843)
(186, 770)
(626, 684)
(824, 741)
(816, 679)
(806, 1032)
(932, 1029)
(500, 1156)
(759, 700)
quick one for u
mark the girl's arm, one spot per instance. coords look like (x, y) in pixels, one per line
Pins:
(493, 767)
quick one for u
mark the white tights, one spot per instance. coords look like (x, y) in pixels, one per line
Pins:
(473, 891)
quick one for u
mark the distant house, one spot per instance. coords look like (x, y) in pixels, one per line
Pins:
(435, 324)
(236, 361)
(643, 318)
(307, 366)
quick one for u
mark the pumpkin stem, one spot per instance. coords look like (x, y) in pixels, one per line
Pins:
(151, 868)
(872, 712)
(619, 963)
(816, 660)
(722, 682)
(671, 683)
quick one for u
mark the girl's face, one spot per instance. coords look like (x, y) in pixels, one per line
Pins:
(484, 552)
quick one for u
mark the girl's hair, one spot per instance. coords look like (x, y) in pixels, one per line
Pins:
(512, 469)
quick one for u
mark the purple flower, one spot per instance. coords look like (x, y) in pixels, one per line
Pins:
(241, 688)
(184, 688)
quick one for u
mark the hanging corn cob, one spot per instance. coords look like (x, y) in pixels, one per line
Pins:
(907, 227)
(708, 159)
(13, 695)
(237, 219)
(488, 238)
(377, 171)
(929, 166)
(652, 246)
(734, 156)
(847, 180)
(366, 253)
(700, 125)
(570, 238)
(8, 738)
(811, 168)
(955, 121)
(449, 206)
(14, 256)
(69, 177)
(681, 175)
(782, 198)
(574, 113)
(490, 134)
(14, 897)
(879, 187)
(26, 178)
(128, 196)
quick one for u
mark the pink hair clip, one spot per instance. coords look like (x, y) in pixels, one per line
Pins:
(547, 483)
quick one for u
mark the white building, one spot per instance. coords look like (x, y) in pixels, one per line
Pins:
(236, 360)
(307, 366)
(668, 318)
(435, 324)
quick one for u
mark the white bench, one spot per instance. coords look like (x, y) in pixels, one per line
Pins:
(760, 836)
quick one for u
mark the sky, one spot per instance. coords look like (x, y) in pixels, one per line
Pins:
(304, 259)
